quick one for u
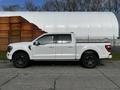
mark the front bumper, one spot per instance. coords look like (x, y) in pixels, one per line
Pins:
(9, 56)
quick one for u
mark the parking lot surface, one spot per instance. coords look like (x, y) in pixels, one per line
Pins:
(67, 76)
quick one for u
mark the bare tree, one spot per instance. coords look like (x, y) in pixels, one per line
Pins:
(84, 5)
(68, 5)
(72, 5)
(60, 5)
(11, 8)
(111, 5)
(53, 5)
(114, 5)
(30, 6)
(96, 4)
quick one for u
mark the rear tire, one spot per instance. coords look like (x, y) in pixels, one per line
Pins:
(21, 60)
(89, 60)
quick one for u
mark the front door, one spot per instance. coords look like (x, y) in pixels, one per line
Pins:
(45, 50)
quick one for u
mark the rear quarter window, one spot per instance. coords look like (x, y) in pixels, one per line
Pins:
(63, 38)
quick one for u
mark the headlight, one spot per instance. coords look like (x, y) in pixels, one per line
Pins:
(9, 48)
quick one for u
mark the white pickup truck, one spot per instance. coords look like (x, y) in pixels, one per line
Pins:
(58, 47)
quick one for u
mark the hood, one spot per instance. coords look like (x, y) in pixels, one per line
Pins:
(20, 44)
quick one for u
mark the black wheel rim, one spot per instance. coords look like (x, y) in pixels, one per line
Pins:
(89, 61)
(20, 60)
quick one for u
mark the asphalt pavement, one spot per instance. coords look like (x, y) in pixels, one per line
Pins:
(60, 76)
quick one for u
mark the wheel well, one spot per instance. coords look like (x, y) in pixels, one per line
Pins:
(18, 52)
(90, 51)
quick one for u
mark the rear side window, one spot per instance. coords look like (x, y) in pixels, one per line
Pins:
(63, 39)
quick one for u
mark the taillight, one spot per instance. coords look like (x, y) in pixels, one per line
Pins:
(108, 48)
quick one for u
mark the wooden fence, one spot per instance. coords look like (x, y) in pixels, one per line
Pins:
(16, 29)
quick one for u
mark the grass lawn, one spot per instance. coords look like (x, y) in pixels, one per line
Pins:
(116, 56)
(3, 56)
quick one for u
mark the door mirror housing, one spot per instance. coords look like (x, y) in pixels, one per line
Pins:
(36, 43)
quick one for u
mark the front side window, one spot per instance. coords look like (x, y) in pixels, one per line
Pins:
(47, 39)
(63, 39)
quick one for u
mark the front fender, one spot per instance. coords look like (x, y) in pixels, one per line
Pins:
(20, 49)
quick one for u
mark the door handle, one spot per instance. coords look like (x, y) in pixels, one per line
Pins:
(51, 47)
(70, 47)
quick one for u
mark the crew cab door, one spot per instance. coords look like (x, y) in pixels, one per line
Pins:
(45, 48)
(64, 47)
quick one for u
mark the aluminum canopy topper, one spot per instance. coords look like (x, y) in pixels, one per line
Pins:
(83, 24)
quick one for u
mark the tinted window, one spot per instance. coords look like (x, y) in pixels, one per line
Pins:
(47, 39)
(63, 39)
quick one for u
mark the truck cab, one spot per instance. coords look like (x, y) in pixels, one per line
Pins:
(54, 46)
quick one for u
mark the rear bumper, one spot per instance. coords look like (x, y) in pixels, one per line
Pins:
(110, 56)
(107, 57)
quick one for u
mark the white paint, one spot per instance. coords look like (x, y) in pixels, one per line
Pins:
(94, 24)
(66, 51)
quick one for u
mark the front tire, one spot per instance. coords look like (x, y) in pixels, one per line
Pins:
(21, 60)
(89, 60)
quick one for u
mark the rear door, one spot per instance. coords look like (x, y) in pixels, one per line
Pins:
(64, 47)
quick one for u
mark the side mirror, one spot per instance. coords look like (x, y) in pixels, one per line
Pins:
(36, 43)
